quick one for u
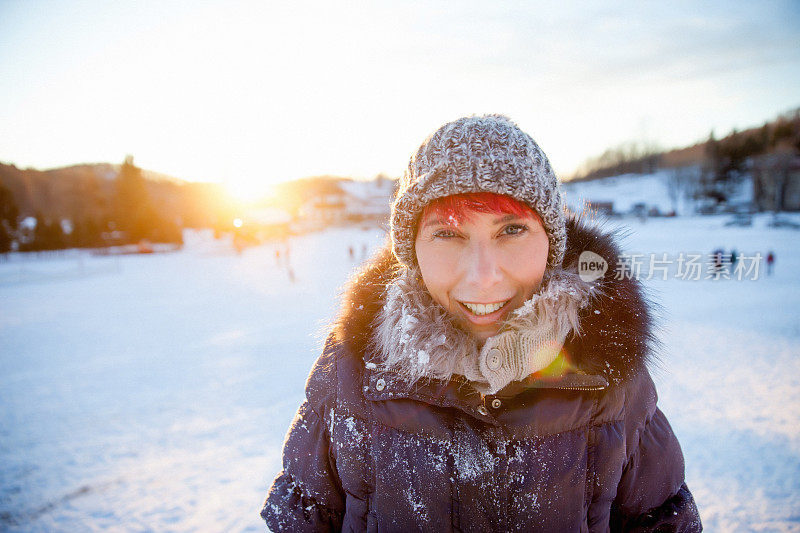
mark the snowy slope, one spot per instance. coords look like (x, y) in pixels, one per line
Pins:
(153, 392)
(666, 190)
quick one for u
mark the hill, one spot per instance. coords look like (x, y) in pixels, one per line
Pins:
(86, 191)
(720, 157)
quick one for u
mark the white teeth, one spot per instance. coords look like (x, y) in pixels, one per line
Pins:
(484, 309)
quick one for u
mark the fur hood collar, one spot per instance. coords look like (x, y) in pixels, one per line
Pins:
(415, 337)
(605, 325)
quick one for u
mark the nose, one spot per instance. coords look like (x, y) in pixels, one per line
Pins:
(483, 265)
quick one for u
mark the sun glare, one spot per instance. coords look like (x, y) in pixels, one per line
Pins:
(248, 191)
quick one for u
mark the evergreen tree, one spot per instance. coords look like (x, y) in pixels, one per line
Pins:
(5, 239)
(8, 218)
(54, 235)
(39, 241)
(9, 212)
(48, 235)
(134, 212)
(87, 233)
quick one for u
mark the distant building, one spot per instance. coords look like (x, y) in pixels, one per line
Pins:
(356, 201)
(639, 209)
(325, 209)
(369, 200)
(600, 207)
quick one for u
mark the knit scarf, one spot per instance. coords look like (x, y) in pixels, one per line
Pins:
(416, 337)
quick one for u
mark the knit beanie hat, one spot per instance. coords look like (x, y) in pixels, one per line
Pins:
(478, 154)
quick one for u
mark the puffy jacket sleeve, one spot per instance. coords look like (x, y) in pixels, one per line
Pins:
(652, 494)
(307, 493)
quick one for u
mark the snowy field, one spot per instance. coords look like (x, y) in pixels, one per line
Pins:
(153, 392)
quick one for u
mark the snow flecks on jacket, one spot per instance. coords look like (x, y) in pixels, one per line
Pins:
(474, 461)
(415, 500)
(331, 418)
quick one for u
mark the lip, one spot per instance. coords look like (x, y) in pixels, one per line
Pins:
(483, 320)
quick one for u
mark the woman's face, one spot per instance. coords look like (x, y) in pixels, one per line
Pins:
(483, 268)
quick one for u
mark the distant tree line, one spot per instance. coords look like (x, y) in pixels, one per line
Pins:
(723, 161)
(627, 158)
(102, 205)
(729, 158)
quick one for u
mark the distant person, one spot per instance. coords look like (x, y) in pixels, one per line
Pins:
(351, 252)
(454, 392)
(770, 262)
(717, 256)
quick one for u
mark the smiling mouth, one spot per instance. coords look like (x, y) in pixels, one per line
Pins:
(484, 309)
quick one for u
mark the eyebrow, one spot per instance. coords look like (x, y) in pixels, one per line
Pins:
(506, 218)
(433, 222)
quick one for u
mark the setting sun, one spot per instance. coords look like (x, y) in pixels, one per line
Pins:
(248, 190)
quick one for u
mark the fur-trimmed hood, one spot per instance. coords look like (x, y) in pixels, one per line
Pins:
(612, 336)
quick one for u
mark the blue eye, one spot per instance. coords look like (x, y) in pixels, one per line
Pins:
(515, 229)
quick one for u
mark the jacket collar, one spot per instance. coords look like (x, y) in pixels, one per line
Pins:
(415, 337)
(458, 393)
(614, 343)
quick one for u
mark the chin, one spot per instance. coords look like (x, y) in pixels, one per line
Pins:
(483, 336)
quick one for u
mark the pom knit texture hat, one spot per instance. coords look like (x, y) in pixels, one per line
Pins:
(478, 154)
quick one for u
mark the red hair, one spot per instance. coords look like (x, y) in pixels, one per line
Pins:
(457, 207)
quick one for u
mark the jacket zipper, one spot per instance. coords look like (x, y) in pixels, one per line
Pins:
(586, 388)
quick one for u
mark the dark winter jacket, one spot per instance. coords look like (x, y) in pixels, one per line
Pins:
(587, 451)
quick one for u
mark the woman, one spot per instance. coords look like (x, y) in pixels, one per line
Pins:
(474, 381)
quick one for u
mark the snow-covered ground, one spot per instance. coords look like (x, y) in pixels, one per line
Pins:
(153, 392)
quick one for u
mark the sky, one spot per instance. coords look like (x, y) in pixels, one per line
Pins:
(254, 93)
